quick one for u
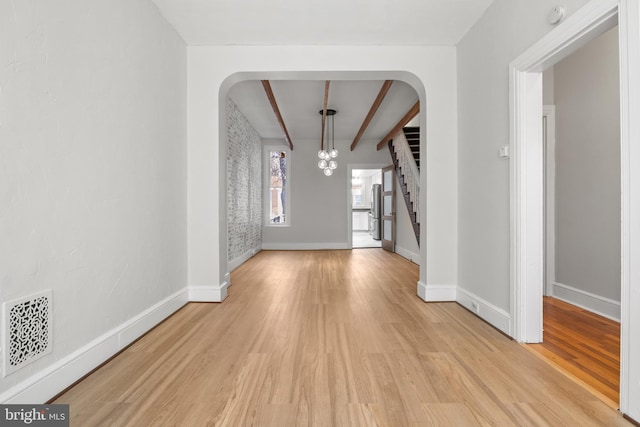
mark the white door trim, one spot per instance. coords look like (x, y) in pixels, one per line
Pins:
(350, 168)
(388, 244)
(629, 29)
(526, 181)
(549, 114)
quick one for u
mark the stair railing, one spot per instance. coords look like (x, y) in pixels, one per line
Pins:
(409, 170)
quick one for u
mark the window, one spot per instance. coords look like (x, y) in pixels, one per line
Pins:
(278, 191)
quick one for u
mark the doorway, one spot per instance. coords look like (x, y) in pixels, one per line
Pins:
(581, 138)
(365, 208)
(527, 184)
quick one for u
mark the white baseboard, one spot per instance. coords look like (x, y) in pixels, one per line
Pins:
(52, 380)
(595, 303)
(411, 256)
(303, 246)
(437, 293)
(493, 315)
(209, 293)
(237, 262)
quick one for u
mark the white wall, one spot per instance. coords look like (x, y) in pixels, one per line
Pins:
(548, 87)
(93, 169)
(505, 30)
(587, 203)
(212, 70)
(320, 211)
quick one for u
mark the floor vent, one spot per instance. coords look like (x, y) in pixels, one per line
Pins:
(27, 331)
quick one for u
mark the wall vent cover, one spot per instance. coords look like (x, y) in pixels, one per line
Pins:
(27, 332)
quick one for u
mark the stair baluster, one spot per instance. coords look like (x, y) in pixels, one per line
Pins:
(409, 176)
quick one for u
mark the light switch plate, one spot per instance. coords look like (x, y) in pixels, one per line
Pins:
(504, 152)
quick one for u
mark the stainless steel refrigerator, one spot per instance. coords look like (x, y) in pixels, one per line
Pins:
(375, 219)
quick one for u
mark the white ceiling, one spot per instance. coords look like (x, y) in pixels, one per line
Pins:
(328, 22)
(300, 100)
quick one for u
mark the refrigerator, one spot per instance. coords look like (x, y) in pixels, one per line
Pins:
(375, 219)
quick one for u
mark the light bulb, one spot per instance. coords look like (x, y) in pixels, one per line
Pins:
(324, 155)
(322, 164)
(333, 164)
(333, 153)
(328, 172)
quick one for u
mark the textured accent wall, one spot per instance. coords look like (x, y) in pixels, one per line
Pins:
(244, 184)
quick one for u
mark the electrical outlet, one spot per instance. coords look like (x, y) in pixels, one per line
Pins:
(475, 306)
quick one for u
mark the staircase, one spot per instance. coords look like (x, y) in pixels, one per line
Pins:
(412, 133)
(406, 158)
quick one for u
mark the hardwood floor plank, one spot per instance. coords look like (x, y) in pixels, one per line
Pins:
(332, 338)
(583, 344)
(247, 392)
(441, 414)
(387, 392)
(274, 415)
(356, 414)
(527, 414)
(480, 400)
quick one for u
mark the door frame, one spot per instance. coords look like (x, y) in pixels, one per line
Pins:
(549, 115)
(388, 244)
(350, 168)
(526, 183)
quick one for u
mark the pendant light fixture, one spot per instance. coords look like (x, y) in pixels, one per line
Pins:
(327, 156)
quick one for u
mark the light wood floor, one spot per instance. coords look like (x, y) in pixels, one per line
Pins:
(329, 338)
(584, 345)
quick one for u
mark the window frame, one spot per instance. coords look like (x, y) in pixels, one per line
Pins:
(267, 150)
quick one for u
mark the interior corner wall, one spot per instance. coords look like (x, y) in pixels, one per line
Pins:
(244, 186)
(505, 30)
(93, 178)
(547, 87)
(587, 176)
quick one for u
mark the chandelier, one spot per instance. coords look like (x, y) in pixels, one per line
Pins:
(327, 156)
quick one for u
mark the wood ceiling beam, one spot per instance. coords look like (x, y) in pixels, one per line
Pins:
(402, 123)
(324, 111)
(276, 110)
(372, 111)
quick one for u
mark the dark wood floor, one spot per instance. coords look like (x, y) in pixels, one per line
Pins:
(584, 345)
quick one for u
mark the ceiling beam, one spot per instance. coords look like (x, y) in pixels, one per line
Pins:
(276, 110)
(372, 111)
(403, 121)
(324, 111)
